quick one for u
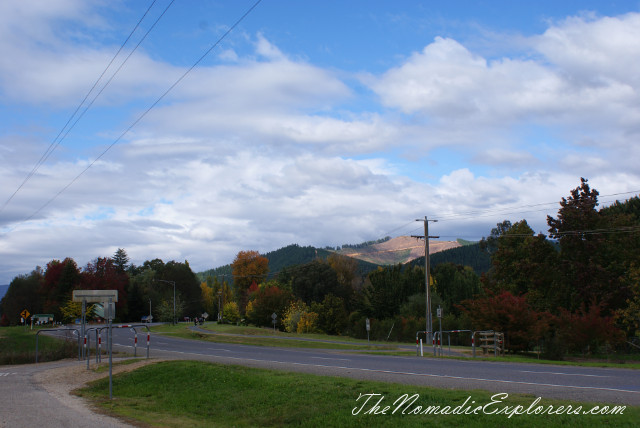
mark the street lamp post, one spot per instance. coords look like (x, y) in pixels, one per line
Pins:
(174, 296)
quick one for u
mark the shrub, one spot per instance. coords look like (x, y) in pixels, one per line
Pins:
(293, 314)
(308, 323)
(231, 312)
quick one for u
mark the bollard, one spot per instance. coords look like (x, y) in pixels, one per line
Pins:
(473, 344)
(135, 344)
(421, 352)
(88, 349)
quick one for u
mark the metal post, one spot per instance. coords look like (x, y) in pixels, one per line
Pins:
(219, 296)
(87, 347)
(83, 321)
(473, 344)
(110, 340)
(440, 324)
(433, 343)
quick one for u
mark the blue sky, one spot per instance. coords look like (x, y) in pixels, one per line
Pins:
(317, 123)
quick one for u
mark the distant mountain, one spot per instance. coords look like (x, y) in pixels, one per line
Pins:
(370, 255)
(3, 290)
(291, 255)
(402, 249)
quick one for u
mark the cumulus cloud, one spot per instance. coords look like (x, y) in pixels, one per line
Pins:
(263, 149)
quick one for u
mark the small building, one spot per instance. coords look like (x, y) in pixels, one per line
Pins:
(39, 319)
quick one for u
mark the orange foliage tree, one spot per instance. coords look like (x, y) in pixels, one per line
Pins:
(247, 268)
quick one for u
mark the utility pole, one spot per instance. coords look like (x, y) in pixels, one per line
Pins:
(426, 238)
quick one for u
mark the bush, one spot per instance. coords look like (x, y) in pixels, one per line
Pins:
(308, 323)
(231, 312)
(293, 314)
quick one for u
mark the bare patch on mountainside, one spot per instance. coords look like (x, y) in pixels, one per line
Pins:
(402, 249)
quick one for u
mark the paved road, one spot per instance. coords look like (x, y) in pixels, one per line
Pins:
(26, 403)
(597, 385)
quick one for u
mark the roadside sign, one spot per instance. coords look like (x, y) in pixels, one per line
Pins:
(439, 312)
(25, 314)
(368, 325)
(109, 310)
(95, 295)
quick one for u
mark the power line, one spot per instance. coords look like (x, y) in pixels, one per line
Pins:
(142, 116)
(58, 139)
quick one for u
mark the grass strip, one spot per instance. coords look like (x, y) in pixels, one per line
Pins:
(18, 346)
(276, 341)
(200, 394)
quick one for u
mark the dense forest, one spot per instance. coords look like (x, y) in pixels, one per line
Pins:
(576, 290)
(470, 254)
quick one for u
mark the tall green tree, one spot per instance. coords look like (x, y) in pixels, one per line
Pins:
(455, 283)
(121, 260)
(522, 262)
(591, 262)
(313, 281)
(386, 289)
(23, 293)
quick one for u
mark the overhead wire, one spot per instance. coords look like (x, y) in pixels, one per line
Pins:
(141, 116)
(58, 139)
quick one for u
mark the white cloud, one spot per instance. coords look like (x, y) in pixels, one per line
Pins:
(263, 150)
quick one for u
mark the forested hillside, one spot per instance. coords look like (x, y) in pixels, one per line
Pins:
(291, 255)
(470, 254)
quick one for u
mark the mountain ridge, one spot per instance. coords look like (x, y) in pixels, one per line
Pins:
(370, 255)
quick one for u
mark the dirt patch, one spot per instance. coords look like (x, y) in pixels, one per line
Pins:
(60, 382)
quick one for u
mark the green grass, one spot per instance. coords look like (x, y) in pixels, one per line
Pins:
(250, 336)
(245, 335)
(199, 394)
(18, 346)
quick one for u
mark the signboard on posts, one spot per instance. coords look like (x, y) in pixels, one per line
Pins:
(95, 295)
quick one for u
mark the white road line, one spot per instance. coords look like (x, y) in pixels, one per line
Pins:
(561, 374)
(428, 375)
(325, 358)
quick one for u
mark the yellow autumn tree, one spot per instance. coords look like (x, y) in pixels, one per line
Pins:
(209, 299)
(308, 323)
